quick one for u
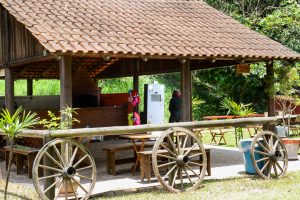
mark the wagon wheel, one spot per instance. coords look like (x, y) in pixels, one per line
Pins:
(72, 169)
(269, 155)
(184, 167)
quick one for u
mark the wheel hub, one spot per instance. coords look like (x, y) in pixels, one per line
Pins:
(182, 159)
(69, 171)
(274, 154)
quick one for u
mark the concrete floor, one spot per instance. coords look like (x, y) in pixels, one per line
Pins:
(225, 162)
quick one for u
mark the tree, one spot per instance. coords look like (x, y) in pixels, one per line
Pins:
(12, 125)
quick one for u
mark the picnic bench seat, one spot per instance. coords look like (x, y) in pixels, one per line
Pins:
(146, 162)
(24, 156)
(112, 161)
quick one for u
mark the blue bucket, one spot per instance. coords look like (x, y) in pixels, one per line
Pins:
(246, 147)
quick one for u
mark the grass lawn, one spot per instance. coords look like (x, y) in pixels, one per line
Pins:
(234, 188)
(16, 191)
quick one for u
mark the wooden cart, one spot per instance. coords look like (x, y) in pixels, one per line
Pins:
(69, 170)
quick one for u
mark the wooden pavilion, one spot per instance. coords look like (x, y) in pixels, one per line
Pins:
(50, 39)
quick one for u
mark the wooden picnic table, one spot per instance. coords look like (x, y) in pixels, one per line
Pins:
(143, 137)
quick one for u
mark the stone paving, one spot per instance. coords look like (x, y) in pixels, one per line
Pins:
(225, 162)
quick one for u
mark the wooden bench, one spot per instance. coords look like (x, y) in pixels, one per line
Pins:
(24, 156)
(146, 162)
(111, 151)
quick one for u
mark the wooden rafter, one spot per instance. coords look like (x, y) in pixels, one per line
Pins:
(101, 68)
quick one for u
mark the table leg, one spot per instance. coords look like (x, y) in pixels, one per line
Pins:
(137, 162)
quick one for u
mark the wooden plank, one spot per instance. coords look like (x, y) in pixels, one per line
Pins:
(121, 130)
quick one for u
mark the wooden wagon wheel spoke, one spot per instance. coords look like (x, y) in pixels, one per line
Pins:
(62, 178)
(66, 190)
(195, 155)
(169, 172)
(266, 158)
(260, 152)
(181, 178)
(269, 170)
(172, 145)
(59, 188)
(174, 178)
(53, 184)
(84, 168)
(194, 163)
(262, 146)
(179, 159)
(187, 175)
(166, 148)
(276, 144)
(178, 143)
(59, 155)
(271, 142)
(166, 164)
(84, 177)
(275, 169)
(186, 153)
(79, 185)
(265, 141)
(265, 165)
(51, 176)
(50, 168)
(192, 171)
(262, 159)
(165, 156)
(73, 156)
(185, 141)
(278, 165)
(51, 158)
(79, 161)
(73, 190)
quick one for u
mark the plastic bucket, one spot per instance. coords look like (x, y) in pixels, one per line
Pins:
(246, 149)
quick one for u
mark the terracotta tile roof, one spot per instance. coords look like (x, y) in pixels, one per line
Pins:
(152, 27)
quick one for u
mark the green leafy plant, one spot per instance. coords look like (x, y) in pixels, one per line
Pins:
(12, 125)
(53, 123)
(65, 121)
(236, 109)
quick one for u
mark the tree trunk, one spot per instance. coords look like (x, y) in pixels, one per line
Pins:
(9, 167)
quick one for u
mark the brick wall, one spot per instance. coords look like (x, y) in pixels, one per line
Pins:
(96, 117)
(102, 116)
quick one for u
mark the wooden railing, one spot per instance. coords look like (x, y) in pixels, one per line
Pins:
(119, 130)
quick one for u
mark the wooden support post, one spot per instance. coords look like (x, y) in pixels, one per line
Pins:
(186, 90)
(136, 67)
(9, 75)
(9, 90)
(270, 93)
(65, 66)
(29, 87)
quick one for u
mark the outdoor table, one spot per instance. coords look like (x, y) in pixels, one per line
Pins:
(143, 137)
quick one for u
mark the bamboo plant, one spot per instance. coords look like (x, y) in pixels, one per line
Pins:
(12, 125)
